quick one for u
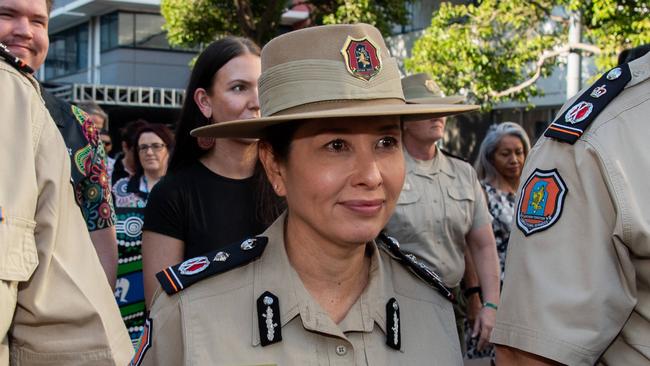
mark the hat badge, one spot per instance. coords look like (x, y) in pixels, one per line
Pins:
(361, 57)
(432, 87)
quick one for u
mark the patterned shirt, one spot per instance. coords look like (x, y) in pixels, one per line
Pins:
(88, 162)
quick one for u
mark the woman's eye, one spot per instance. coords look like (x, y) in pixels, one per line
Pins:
(238, 88)
(336, 145)
(388, 142)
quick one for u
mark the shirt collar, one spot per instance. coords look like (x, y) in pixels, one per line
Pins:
(440, 163)
(274, 273)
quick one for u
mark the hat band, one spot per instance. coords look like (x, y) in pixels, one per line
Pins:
(330, 105)
(308, 82)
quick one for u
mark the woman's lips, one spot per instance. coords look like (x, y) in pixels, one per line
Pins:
(364, 207)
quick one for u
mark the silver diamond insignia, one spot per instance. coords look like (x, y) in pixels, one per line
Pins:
(395, 306)
(268, 300)
(248, 244)
(614, 74)
(220, 257)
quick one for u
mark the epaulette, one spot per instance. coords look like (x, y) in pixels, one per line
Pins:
(452, 155)
(14, 61)
(571, 124)
(415, 265)
(181, 276)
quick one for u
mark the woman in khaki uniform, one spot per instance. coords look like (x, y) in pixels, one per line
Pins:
(319, 287)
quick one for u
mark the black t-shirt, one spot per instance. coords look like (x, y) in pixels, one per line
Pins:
(203, 209)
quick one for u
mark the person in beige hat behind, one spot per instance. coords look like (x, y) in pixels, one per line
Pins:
(441, 215)
(321, 285)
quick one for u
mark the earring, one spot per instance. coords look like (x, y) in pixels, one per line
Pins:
(205, 143)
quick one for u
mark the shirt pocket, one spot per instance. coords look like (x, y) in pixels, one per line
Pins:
(460, 208)
(18, 256)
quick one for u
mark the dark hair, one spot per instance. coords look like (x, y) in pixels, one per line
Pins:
(128, 132)
(161, 131)
(632, 54)
(216, 55)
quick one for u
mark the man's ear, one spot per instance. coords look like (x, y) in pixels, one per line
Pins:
(273, 168)
(202, 100)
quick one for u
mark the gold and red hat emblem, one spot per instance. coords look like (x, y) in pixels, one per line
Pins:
(361, 57)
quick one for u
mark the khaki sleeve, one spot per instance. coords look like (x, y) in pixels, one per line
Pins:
(167, 337)
(18, 191)
(481, 213)
(569, 288)
(65, 311)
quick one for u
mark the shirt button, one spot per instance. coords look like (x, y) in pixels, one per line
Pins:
(341, 350)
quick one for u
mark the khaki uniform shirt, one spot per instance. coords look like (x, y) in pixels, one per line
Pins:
(440, 203)
(579, 291)
(56, 307)
(215, 322)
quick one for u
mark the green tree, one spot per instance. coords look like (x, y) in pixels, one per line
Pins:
(194, 22)
(497, 49)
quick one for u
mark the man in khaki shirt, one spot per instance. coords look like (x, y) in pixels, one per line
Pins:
(577, 284)
(56, 307)
(215, 322)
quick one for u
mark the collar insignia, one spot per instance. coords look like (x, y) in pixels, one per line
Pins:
(393, 330)
(361, 57)
(268, 319)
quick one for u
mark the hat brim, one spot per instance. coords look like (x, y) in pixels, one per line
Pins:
(254, 128)
(437, 100)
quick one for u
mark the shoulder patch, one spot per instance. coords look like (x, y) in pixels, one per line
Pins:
(413, 264)
(181, 276)
(447, 153)
(571, 124)
(14, 61)
(541, 201)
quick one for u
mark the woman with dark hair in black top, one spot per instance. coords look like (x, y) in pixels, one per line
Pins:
(207, 199)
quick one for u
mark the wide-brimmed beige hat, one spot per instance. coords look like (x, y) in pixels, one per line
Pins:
(326, 72)
(421, 89)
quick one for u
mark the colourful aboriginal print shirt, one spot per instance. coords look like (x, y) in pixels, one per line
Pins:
(88, 162)
(130, 199)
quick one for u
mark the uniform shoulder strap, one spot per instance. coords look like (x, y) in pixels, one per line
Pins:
(14, 61)
(413, 264)
(447, 153)
(571, 124)
(181, 276)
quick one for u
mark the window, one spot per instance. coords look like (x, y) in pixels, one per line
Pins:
(68, 52)
(134, 30)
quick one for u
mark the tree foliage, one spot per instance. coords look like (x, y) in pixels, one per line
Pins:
(193, 22)
(497, 49)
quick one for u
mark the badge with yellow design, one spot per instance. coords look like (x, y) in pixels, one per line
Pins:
(540, 201)
(361, 57)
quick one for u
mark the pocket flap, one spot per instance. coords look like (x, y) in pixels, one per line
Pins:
(18, 256)
(460, 193)
(408, 196)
